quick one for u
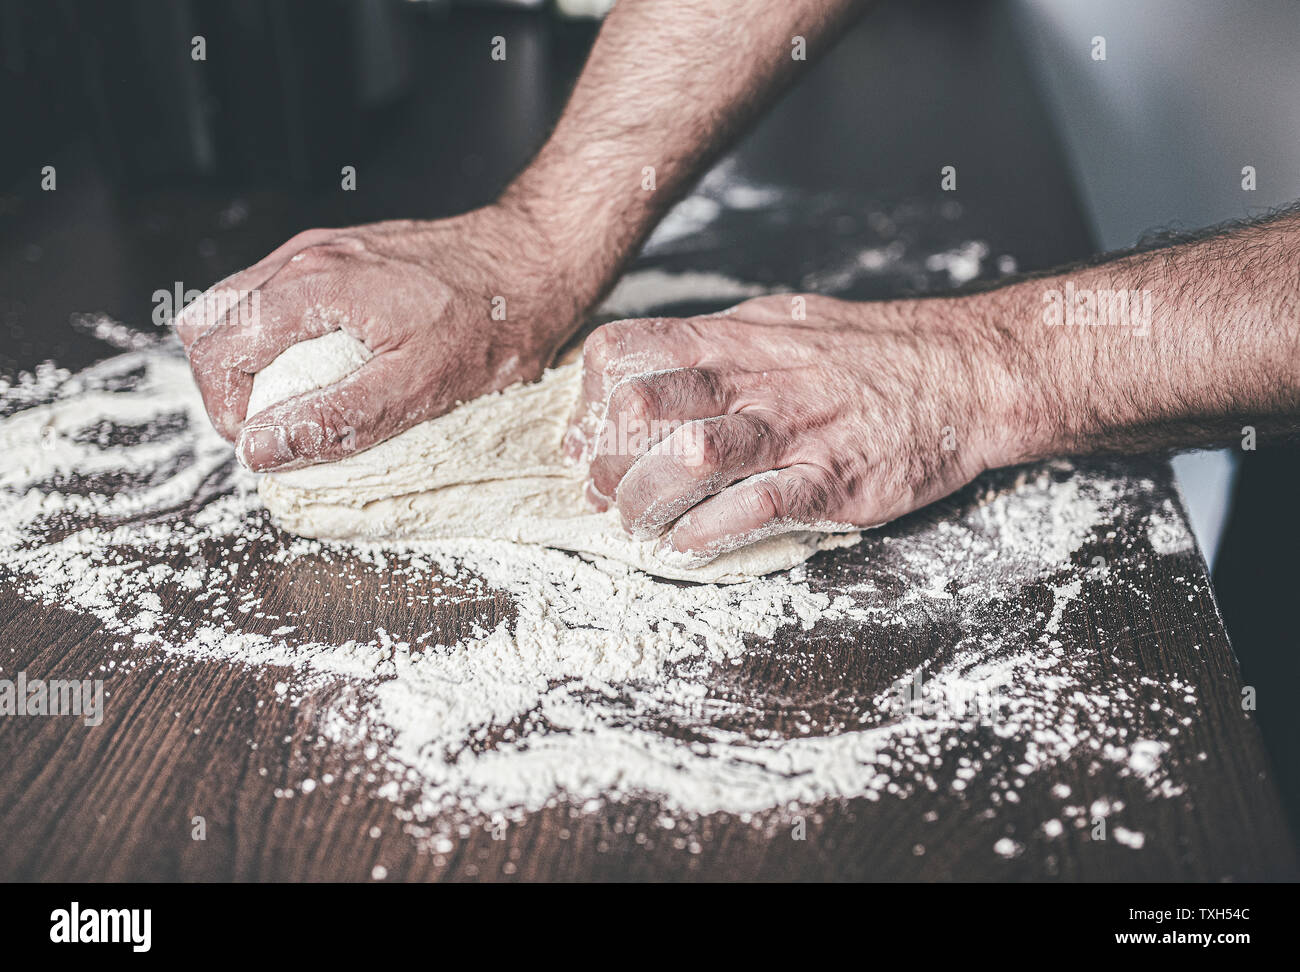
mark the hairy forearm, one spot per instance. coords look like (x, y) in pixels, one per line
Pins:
(1176, 347)
(668, 85)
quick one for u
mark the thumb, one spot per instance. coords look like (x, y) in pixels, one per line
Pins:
(333, 422)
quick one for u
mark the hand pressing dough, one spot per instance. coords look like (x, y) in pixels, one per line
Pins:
(491, 467)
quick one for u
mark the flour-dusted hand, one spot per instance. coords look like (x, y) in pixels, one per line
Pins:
(792, 412)
(449, 310)
(637, 132)
(646, 117)
(788, 413)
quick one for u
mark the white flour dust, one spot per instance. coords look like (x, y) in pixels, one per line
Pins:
(577, 680)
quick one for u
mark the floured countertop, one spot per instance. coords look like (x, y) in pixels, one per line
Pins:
(1028, 679)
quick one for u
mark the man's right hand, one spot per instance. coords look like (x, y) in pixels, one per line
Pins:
(420, 295)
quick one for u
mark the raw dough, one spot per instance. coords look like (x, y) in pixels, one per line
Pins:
(491, 467)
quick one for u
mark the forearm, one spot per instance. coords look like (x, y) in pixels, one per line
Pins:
(1205, 342)
(668, 85)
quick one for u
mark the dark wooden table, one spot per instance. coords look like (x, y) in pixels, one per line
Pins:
(865, 134)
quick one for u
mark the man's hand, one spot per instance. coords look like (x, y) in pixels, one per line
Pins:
(420, 295)
(668, 85)
(722, 429)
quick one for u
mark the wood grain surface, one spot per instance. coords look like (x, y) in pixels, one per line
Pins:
(185, 738)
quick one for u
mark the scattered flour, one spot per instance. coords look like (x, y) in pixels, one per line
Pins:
(1130, 838)
(1168, 531)
(599, 683)
(1008, 848)
(962, 264)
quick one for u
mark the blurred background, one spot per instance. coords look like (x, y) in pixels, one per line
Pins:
(181, 164)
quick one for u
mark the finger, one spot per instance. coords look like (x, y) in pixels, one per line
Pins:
(273, 321)
(613, 352)
(225, 301)
(695, 462)
(336, 421)
(224, 390)
(225, 359)
(642, 411)
(210, 310)
(765, 505)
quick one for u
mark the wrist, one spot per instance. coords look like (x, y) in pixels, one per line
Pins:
(1027, 401)
(553, 287)
(593, 214)
(1074, 386)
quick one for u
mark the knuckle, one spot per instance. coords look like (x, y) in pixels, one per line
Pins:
(317, 256)
(317, 262)
(208, 360)
(626, 430)
(706, 446)
(221, 353)
(327, 428)
(635, 400)
(764, 501)
(336, 423)
(597, 348)
(702, 384)
(607, 346)
(199, 353)
(809, 497)
(306, 238)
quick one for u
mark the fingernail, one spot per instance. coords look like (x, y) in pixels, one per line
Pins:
(264, 447)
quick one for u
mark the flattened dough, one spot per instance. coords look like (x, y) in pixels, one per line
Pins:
(491, 467)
